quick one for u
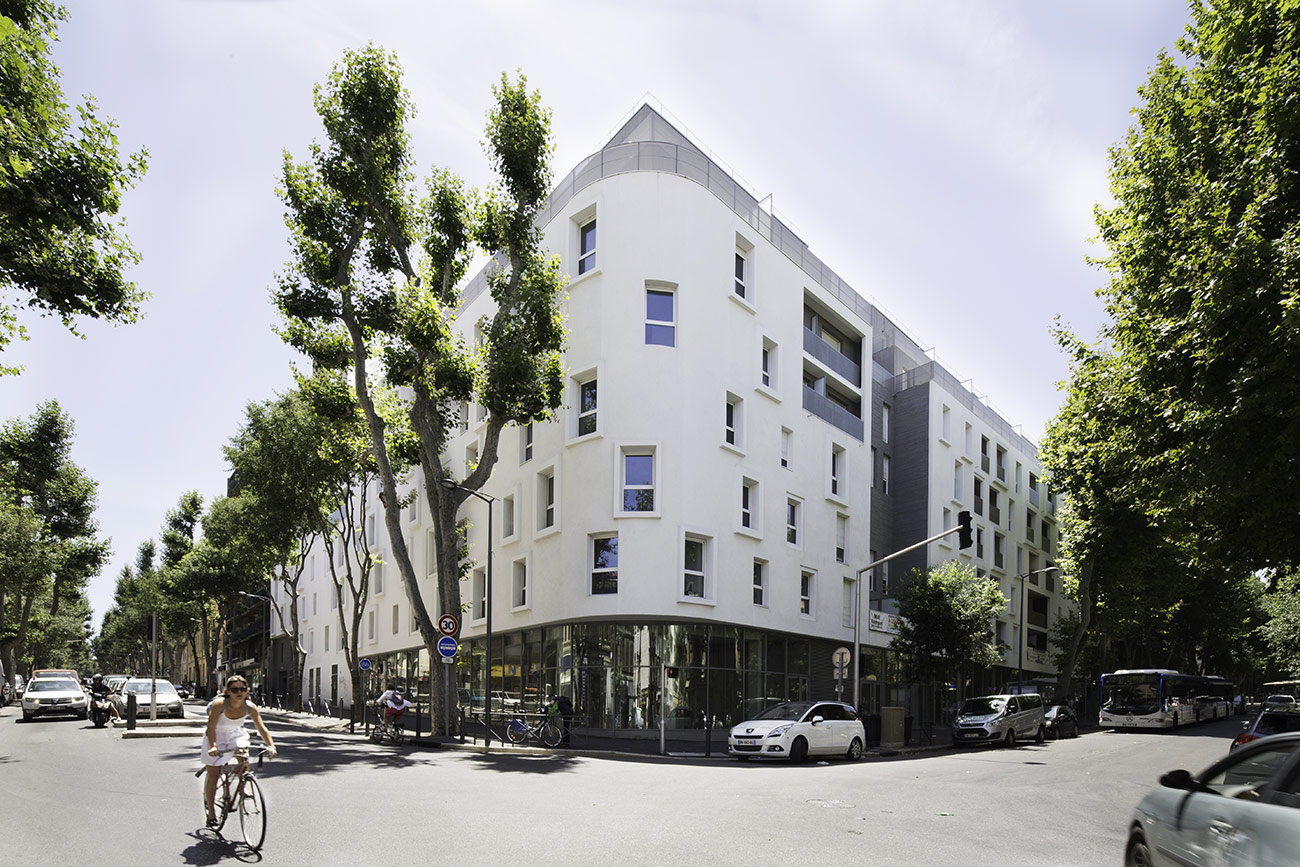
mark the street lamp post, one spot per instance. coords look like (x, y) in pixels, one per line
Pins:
(1020, 656)
(487, 656)
(266, 677)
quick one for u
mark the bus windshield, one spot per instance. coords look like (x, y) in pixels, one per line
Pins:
(1131, 693)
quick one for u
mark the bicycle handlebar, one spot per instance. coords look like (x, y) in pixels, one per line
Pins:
(261, 753)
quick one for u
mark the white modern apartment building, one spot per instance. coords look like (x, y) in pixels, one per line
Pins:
(742, 434)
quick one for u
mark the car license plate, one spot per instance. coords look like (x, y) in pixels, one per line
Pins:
(747, 741)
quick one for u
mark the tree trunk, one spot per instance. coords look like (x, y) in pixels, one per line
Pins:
(1085, 619)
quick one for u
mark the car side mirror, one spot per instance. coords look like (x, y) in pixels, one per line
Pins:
(1179, 779)
(818, 719)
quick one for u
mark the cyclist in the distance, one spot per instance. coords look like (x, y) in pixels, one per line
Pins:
(226, 732)
(393, 703)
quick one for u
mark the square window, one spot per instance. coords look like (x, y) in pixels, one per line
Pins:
(604, 564)
(587, 247)
(660, 318)
(638, 481)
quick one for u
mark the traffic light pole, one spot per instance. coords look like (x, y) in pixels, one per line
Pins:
(963, 527)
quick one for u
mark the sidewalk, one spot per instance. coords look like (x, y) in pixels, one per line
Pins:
(194, 720)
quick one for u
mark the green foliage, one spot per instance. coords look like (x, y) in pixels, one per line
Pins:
(946, 614)
(61, 183)
(1282, 631)
(375, 276)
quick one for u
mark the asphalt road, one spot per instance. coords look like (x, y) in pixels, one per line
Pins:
(67, 790)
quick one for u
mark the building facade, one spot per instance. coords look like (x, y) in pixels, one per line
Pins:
(741, 434)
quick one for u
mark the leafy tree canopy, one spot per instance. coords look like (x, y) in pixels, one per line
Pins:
(946, 614)
(62, 247)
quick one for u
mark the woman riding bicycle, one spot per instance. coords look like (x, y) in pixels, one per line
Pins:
(226, 733)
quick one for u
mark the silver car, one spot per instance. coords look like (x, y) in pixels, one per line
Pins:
(1242, 810)
(795, 730)
(169, 700)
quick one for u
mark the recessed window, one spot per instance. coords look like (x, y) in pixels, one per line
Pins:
(850, 594)
(638, 481)
(884, 474)
(743, 286)
(740, 274)
(787, 448)
(660, 317)
(396, 619)
(792, 509)
(413, 509)
(546, 498)
(327, 639)
(478, 595)
(587, 247)
(370, 626)
(377, 577)
(760, 582)
(733, 421)
(604, 564)
(693, 567)
(838, 471)
(749, 505)
(841, 537)
(526, 443)
(586, 422)
(884, 422)
(519, 584)
(507, 516)
(806, 588)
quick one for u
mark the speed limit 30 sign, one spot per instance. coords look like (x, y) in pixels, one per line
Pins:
(448, 624)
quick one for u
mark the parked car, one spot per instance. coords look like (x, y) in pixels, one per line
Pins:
(505, 700)
(169, 701)
(1060, 722)
(798, 729)
(1243, 809)
(54, 695)
(1279, 701)
(1000, 719)
(1268, 722)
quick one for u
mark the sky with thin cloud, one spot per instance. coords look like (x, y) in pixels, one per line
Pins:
(942, 156)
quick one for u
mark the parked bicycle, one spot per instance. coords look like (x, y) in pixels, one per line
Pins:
(242, 795)
(519, 730)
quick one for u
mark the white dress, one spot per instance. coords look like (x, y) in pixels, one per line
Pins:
(231, 735)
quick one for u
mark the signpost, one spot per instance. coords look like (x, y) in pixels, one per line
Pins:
(840, 658)
(448, 624)
(447, 648)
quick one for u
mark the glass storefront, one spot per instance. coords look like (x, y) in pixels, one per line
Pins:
(720, 675)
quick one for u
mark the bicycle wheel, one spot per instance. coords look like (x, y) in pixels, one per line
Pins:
(517, 731)
(252, 814)
(399, 735)
(549, 734)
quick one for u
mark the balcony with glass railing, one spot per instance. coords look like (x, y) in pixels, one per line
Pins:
(832, 413)
(831, 358)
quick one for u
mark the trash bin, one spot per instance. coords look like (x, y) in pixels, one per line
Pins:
(891, 728)
(871, 722)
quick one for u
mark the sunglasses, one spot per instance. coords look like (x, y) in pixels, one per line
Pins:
(238, 689)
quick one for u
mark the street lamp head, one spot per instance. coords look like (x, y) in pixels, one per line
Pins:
(449, 484)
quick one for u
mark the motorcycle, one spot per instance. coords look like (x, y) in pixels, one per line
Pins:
(99, 710)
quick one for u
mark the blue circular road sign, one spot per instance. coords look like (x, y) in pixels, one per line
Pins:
(364, 665)
(447, 646)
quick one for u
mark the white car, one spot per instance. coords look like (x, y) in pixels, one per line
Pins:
(51, 695)
(795, 730)
(169, 701)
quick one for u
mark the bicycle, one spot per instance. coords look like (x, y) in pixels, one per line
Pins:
(244, 797)
(390, 729)
(519, 730)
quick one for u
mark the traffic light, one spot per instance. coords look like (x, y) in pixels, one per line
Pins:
(671, 671)
(963, 529)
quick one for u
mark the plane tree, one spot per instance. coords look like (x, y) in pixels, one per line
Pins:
(373, 288)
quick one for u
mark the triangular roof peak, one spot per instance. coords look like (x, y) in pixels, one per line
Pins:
(647, 124)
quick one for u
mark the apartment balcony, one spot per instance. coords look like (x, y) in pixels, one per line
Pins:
(832, 413)
(836, 361)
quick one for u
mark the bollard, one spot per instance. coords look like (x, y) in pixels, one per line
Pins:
(130, 711)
